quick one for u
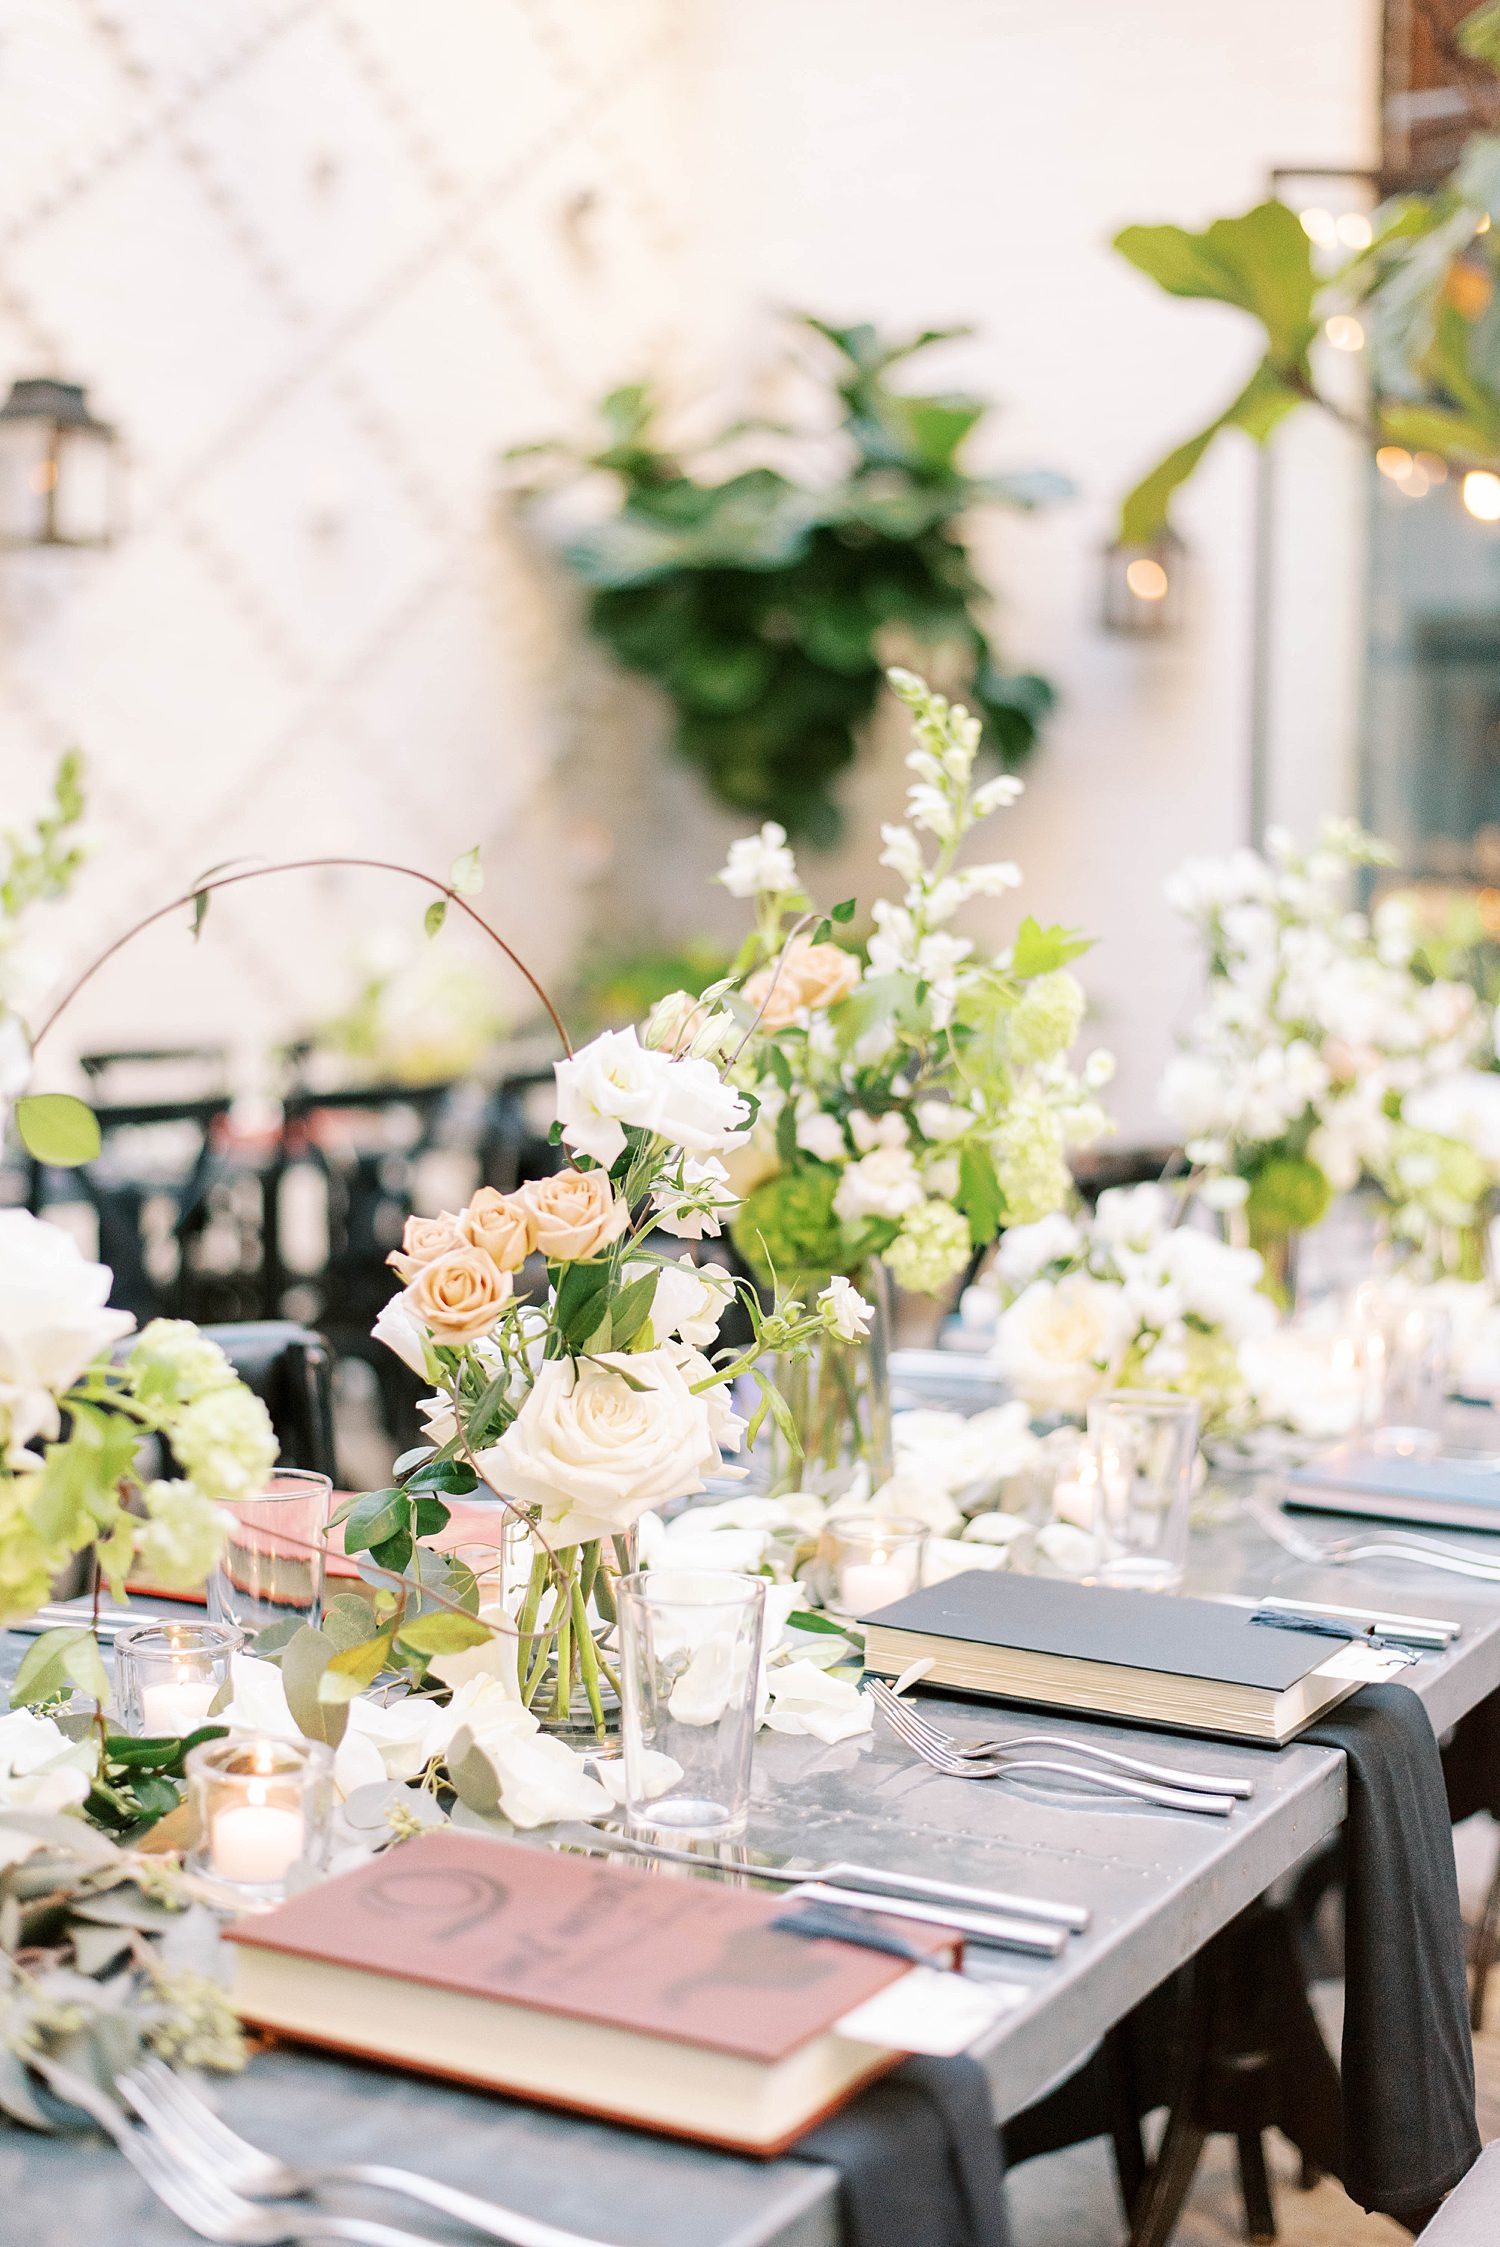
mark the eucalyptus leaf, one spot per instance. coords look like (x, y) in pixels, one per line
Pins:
(353, 1668)
(473, 1776)
(443, 1632)
(347, 1620)
(302, 1666)
(58, 1129)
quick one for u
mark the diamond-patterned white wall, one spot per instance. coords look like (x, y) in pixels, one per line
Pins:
(321, 261)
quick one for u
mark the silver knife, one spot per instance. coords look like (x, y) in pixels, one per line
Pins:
(866, 1879)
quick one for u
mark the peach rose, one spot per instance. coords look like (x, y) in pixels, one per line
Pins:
(459, 1296)
(812, 975)
(423, 1240)
(574, 1214)
(499, 1224)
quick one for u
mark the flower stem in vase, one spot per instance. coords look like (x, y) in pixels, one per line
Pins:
(588, 1658)
(562, 1611)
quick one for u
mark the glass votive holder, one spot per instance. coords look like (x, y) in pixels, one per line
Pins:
(866, 1561)
(169, 1675)
(272, 1565)
(1139, 1459)
(260, 1810)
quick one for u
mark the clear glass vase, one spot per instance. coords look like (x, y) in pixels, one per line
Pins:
(568, 1625)
(839, 1401)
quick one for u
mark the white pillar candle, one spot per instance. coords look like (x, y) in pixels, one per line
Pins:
(256, 1842)
(866, 1585)
(177, 1705)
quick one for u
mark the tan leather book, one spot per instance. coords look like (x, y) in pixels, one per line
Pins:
(672, 2003)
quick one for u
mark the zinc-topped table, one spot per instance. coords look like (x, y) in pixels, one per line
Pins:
(1157, 1883)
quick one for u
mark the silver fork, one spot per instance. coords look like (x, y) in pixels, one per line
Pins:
(899, 1718)
(1393, 1544)
(1196, 1782)
(204, 2203)
(189, 2129)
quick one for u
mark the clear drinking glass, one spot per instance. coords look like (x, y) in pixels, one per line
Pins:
(260, 1812)
(865, 1562)
(168, 1675)
(690, 1642)
(1143, 1447)
(1405, 1346)
(272, 1569)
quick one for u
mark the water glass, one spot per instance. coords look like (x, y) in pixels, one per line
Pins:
(169, 1675)
(1405, 1345)
(260, 1809)
(865, 1562)
(690, 1649)
(272, 1566)
(1141, 1454)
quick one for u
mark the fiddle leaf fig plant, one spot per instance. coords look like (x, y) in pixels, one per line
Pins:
(1421, 294)
(761, 604)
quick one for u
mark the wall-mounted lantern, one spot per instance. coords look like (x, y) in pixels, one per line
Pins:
(1143, 587)
(59, 480)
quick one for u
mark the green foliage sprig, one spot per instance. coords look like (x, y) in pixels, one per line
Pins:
(759, 604)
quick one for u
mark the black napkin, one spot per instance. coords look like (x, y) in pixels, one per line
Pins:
(918, 2157)
(1408, 2059)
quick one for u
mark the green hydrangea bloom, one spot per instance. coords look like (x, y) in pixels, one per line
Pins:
(788, 1222)
(173, 1364)
(27, 1564)
(1028, 1149)
(1287, 1195)
(1047, 1018)
(932, 1248)
(180, 1540)
(224, 1443)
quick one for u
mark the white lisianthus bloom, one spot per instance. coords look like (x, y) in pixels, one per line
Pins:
(694, 1203)
(379, 1742)
(615, 1081)
(822, 1135)
(1194, 1095)
(53, 1322)
(760, 865)
(885, 1183)
(1026, 1250)
(689, 1302)
(847, 1313)
(594, 1449)
(41, 1769)
(1056, 1345)
(540, 1779)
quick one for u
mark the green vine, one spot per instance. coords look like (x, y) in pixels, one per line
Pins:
(765, 606)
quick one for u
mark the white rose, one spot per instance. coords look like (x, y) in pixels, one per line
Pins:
(617, 1081)
(594, 1450)
(41, 1769)
(883, 1184)
(399, 1331)
(53, 1322)
(760, 864)
(1057, 1343)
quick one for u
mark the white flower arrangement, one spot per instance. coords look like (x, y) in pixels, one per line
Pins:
(1128, 1299)
(1320, 1055)
(909, 1105)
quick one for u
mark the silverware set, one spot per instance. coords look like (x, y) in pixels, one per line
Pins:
(1385, 1544)
(1107, 1769)
(224, 2188)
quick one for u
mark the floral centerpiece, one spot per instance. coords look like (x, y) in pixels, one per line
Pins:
(911, 1102)
(1125, 1299)
(598, 1399)
(1321, 1056)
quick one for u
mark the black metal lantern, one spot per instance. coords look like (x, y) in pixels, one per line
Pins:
(1143, 587)
(58, 468)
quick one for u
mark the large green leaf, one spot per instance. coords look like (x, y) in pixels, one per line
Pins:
(57, 1662)
(58, 1129)
(1266, 398)
(1261, 261)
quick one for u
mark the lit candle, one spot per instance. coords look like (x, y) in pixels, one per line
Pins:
(875, 1581)
(179, 1704)
(257, 1841)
